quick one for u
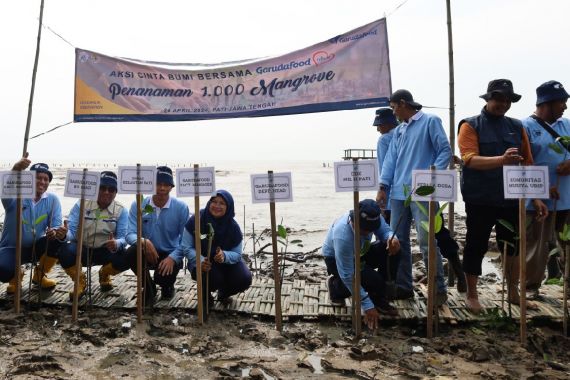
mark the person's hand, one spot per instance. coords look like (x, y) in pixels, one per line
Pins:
(22, 164)
(371, 318)
(554, 194)
(563, 168)
(150, 252)
(111, 244)
(381, 198)
(166, 266)
(512, 157)
(393, 246)
(541, 210)
(220, 256)
(61, 231)
(206, 265)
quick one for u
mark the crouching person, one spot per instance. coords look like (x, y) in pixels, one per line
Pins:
(228, 274)
(338, 251)
(104, 231)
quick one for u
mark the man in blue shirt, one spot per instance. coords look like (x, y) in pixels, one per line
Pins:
(338, 251)
(550, 106)
(42, 230)
(161, 233)
(418, 143)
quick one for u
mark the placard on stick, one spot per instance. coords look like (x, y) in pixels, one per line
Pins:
(77, 187)
(358, 175)
(266, 190)
(18, 183)
(192, 182)
(443, 181)
(526, 182)
(130, 182)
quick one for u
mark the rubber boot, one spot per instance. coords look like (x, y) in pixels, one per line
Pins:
(44, 266)
(82, 281)
(11, 288)
(455, 263)
(105, 274)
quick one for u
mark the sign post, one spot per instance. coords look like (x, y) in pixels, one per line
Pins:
(138, 180)
(271, 188)
(444, 184)
(195, 182)
(356, 176)
(19, 185)
(522, 182)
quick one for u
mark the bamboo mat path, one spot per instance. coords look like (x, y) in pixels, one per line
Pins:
(300, 299)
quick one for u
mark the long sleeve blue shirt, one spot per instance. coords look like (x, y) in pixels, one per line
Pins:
(543, 155)
(188, 249)
(164, 229)
(382, 146)
(417, 144)
(48, 205)
(339, 243)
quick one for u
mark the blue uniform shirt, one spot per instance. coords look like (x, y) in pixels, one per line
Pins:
(381, 150)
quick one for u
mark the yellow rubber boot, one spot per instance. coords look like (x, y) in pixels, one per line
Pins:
(11, 288)
(82, 281)
(105, 274)
(43, 267)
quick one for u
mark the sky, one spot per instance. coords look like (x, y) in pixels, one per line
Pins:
(522, 40)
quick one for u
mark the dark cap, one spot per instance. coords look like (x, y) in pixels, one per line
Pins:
(369, 215)
(164, 175)
(501, 86)
(385, 116)
(407, 97)
(40, 167)
(550, 91)
(108, 179)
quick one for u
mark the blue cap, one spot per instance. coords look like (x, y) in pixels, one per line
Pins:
(550, 91)
(40, 167)
(385, 116)
(369, 215)
(108, 179)
(164, 175)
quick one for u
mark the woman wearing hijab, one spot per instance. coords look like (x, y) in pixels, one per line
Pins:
(228, 274)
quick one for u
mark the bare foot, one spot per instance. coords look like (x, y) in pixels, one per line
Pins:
(516, 300)
(473, 305)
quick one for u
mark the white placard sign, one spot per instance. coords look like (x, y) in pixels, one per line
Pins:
(76, 186)
(130, 182)
(356, 175)
(192, 182)
(16, 183)
(274, 188)
(444, 182)
(526, 182)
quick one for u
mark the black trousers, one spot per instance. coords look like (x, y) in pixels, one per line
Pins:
(163, 281)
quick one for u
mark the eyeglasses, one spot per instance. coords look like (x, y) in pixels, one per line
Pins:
(108, 189)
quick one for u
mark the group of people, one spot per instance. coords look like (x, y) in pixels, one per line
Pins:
(110, 236)
(414, 140)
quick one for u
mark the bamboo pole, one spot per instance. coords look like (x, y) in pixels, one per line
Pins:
(78, 253)
(139, 251)
(566, 284)
(18, 260)
(276, 274)
(356, 301)
(198, 245)
(432, 269)
(522, 276)
(451, 206)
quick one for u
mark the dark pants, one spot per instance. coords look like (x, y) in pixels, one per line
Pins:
(99, 256)
(8, 256)
(480, 221)
(163, 281)
(376, 267)
(227, 279)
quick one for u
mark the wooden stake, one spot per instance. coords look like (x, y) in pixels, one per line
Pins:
(198, 245)
(565, 292)
(451, 206)
(140, 298)
(78, 253)
(504, 264)
(276, 274)
(18, 265)
(356, 301)
(432, 269)
(522, 276)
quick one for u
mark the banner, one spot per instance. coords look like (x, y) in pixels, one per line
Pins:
(349, 71)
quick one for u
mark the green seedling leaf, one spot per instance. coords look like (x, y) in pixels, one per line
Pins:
(40, 219)
(408, 201)
(281, 242)
(507, 225)
(438, 223)
(556, 148)
(565, 234)
(282, 231)
(425, 225)
(508, 243)
(300, 245)
(555, 281)
(365, 248)
(406, 190)
(424, 191)
(25, 221)
(210, 231)
(296, 241)
(148, 209)
(443, 207)
(422, 208)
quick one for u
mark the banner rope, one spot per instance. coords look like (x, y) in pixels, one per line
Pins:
(51, 130)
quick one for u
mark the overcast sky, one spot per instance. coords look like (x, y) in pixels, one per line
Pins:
(523, 40)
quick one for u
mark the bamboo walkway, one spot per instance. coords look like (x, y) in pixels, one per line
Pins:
(300, 300)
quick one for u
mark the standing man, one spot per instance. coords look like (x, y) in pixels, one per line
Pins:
(488, 142)
(42, 230)
(104, 231)
(543, 128)
(338, 251)
(162, 230)
(418, 143)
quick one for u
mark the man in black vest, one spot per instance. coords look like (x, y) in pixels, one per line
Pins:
(488, 142)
